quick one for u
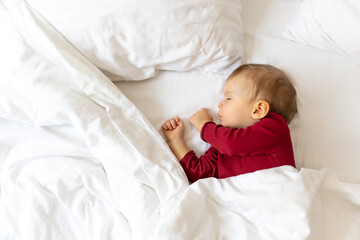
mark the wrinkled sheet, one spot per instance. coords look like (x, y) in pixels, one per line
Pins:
(80, 161)
(326, 131)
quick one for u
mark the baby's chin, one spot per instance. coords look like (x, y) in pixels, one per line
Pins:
(224, 124)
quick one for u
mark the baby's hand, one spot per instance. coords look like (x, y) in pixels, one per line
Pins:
(199, 118)
(173, 129)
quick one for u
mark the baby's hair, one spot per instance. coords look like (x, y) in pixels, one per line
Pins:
(272, 85)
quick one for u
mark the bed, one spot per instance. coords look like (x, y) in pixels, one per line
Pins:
(86, 85)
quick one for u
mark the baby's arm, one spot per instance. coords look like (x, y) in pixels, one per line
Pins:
(194, 167)
(203, 167)
(266, 136)
(174, 131)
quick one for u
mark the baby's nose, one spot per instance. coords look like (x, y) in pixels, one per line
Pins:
(220, 105)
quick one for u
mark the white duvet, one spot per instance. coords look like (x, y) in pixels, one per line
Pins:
(80, 161)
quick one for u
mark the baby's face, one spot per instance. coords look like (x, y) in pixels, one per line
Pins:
(235, 110)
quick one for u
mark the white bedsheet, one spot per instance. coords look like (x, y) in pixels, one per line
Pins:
(325, 133)
(80, 161)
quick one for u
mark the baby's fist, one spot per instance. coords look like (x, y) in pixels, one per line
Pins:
(173, 129)
(199, 118)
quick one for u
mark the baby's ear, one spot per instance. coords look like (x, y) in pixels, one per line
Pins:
(260, 109)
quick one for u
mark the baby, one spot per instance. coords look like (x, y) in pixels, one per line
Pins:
(259, 103)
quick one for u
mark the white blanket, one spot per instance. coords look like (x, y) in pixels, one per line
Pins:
(80, 161)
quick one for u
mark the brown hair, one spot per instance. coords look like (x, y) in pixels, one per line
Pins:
(272, 85)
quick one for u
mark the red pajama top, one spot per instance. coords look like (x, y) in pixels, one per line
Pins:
(266, 144)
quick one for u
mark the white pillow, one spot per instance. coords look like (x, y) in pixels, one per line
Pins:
(332, 25)
(133, 39)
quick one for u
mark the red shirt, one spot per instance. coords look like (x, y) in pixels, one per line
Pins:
(266, 144)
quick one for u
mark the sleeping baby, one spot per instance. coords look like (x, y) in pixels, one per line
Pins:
(259, 103)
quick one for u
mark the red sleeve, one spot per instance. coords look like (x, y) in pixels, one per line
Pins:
(203, 167)
(269, 135)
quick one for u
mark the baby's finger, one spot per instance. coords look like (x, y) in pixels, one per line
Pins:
(164, 126)
(173, 122)
(180, 123)
(168, 124)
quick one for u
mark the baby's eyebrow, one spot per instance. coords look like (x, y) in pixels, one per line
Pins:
(228, 92)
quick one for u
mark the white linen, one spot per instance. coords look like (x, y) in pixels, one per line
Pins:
(56, 85)
(326, 131)
(332, 25)
(132, 40)
(81, 161)
(173, 94)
